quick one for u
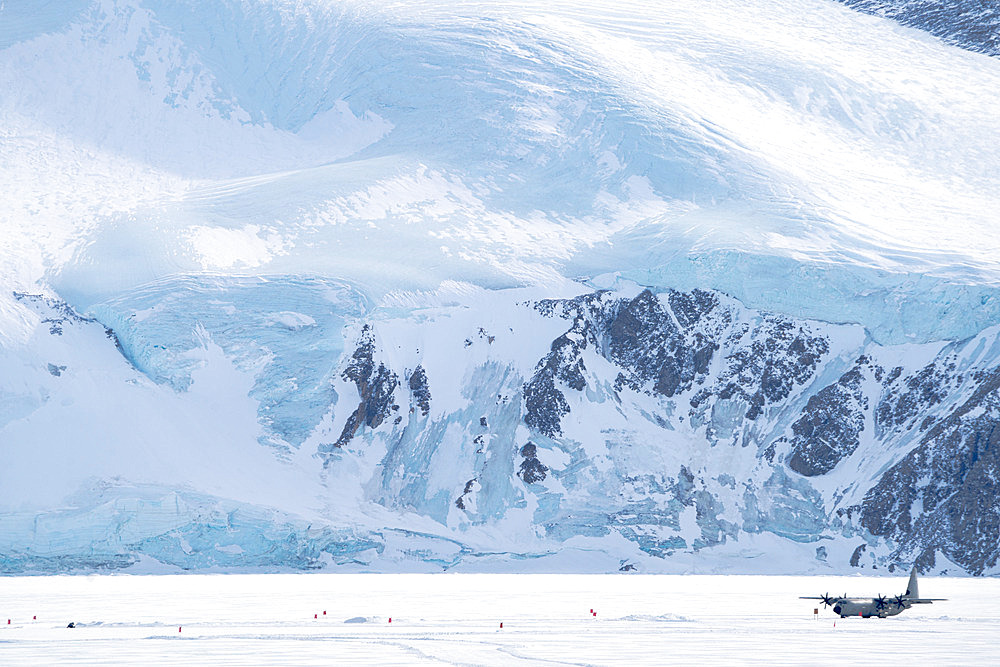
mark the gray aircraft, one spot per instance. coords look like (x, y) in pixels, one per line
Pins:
(878, 606)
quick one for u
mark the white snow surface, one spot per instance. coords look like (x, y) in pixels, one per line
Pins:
(455, 620)
(782, 151)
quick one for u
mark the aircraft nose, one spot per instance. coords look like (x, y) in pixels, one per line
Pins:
(836, 609)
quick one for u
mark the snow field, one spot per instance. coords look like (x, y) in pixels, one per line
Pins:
(455, 619)
(400, 145)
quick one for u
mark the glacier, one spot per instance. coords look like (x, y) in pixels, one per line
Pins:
(352, 284)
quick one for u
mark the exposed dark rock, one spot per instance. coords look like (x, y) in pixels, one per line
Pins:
(945, 494)
(830, 427)
(856, 556)
(666, 344)
(532, 470)
(925, 561)
(969, 24)
(56, 370)
(376, 386)
(642, 337)
(55, 312)
(112, 336)
(469, 487)
(690, 308)
(545, 405)
(781, 355)
(905, 398)
(730, 364)
(639, 335)
(730, 361)
(419, 390)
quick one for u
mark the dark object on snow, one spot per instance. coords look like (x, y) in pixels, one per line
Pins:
(71, 625)
(532, 470)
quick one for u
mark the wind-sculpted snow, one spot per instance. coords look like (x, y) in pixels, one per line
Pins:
(506, 144)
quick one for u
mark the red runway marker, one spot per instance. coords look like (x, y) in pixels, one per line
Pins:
(390, 619)
(324, 612)
(178, 628)
(501, 626)
(34, 618)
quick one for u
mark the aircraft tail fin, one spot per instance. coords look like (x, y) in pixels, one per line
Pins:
(911, 587)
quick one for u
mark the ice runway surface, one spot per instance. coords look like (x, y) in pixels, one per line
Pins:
(455, 619)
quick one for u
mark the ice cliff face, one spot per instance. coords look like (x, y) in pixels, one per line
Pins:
(637, 424)
(498, 286)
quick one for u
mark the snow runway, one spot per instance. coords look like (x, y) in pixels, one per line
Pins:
(455, 619)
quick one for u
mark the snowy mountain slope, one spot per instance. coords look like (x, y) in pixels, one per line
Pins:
(815, 138)
(365, 284)
(635, 425)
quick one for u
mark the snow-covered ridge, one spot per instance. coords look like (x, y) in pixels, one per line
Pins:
(506, 144)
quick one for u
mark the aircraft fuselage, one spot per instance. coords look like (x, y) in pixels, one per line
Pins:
(880, 606)
(867, 607)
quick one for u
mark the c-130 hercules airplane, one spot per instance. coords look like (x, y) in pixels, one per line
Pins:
(878, 606)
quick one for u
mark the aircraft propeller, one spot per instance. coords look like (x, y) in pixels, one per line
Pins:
(827, 600)
(898, 601)
(880, 602)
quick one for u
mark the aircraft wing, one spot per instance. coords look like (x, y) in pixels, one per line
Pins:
(925, 600)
